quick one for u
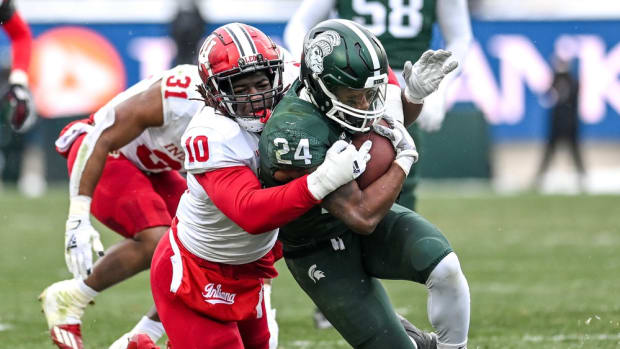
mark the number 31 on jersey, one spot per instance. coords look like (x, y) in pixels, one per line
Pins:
(175, 86)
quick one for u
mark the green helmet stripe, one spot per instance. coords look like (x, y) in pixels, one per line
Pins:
(376, 65)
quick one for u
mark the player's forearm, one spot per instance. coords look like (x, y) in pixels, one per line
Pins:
(361, 210)
(114, 128)
(411, 110)
(21, 41)
(91, 169)
(238, 194)
(92, 154)
(379, 196)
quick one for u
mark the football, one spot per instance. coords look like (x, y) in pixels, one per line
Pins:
(382, 155)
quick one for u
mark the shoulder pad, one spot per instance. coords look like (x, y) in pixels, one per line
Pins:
(179, 95)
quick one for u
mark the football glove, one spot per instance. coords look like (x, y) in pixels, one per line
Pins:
(81, 238)
(342, 164)
(423, 77)
(406, 151)
(16, 105)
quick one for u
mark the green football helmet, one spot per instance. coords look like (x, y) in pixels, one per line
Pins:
(345, 71)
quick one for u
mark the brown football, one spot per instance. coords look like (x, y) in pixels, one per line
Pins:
(382, 155)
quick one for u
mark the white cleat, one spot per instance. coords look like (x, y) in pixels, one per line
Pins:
(61, 303)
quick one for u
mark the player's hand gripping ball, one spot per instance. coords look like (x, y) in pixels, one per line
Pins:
(382, 155)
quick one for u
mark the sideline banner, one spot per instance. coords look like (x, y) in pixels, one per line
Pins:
(76, 68)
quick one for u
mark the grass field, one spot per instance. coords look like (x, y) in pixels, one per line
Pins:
(544, 272)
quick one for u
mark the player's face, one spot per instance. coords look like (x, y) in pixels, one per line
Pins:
(356, 98)
(255, 87)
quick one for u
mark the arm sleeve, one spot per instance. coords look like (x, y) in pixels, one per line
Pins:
(309, 13)
(392, 78)
(393, 102)
(455, 26)
(237, 193)
(21, 41)
(106, 120)
(453, 18)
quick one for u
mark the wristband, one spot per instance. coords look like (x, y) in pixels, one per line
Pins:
(412, 99)
(79, 205)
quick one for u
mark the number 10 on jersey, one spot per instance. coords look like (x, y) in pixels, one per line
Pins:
(197, 149)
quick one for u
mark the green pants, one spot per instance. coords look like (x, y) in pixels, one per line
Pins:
(341, 276)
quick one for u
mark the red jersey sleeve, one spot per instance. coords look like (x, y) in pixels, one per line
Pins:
(21, 41)
(238, 194)
(392, 78)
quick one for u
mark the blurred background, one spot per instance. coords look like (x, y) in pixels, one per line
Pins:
(86, 51)
(542, 268)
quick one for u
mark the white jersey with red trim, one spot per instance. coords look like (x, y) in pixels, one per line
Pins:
(214, 141)
(159, 149)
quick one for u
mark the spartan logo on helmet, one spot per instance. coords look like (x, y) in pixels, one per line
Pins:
(344, 68)
(320, 47)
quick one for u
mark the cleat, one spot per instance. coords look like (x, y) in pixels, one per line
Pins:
(61, 306)
(141, 341)
(422, 340)
(320, 321)
(67, 336)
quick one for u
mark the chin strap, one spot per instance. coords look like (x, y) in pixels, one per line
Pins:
(254, 123)
(250, 124)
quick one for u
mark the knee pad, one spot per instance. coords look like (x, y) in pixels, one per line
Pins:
(448, 270)
(449, 302)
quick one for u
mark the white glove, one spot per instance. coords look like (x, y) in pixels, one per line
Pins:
(406, 151)
(423, 77)
(433, 112)
(343, 163)
(80, 238)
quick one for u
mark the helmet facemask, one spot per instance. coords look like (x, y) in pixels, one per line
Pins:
(241, 70)
(356, 109)
(250, 110)
(344, 68)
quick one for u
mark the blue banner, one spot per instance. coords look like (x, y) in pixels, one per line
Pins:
(77, 68)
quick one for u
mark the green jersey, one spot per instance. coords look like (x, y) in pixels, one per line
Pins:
(404, 27)
(298, 136)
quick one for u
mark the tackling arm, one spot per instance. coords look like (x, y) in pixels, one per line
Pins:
(237, 193)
